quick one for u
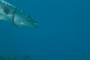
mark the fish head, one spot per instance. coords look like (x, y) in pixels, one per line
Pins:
(24, 20)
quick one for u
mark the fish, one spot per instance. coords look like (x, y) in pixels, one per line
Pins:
(16, 16)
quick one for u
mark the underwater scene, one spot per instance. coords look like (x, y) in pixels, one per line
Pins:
(44, 29)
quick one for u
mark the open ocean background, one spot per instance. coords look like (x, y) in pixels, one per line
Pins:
(63, 33)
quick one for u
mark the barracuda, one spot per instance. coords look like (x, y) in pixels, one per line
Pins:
(14, 15)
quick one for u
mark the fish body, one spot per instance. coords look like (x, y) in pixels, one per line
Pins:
(14, 15)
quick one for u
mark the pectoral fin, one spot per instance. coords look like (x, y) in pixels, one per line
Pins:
(2, 17)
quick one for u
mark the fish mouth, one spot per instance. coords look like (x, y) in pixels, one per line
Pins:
(31, 25)
(36, 25)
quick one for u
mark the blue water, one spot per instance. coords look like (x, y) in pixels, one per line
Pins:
(63, 33)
